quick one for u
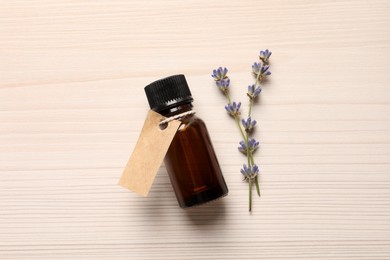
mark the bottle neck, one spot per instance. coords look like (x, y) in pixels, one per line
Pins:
(182, 108)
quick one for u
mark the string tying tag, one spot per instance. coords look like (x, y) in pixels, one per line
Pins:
(169, 119)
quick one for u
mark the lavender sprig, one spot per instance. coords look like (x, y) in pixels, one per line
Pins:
(248, 145)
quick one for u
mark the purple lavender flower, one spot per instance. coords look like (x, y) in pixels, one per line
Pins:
(253, 92)
(221, 80)
(260, 70)
(248, 124)
(264, 56)
(233, 109)
(223, 84)
(249, 172)
(252, 143)
(242, 147)
(219, 73)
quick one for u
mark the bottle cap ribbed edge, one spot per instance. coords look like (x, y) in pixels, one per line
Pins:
(168, 92)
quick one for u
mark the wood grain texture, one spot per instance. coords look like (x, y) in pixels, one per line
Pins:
(72, 105)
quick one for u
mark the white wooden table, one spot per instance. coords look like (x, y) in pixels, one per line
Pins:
(72, 104)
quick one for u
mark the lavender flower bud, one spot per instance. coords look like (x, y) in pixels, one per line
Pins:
(242, 148)
(219, 73)
(249, 172)
(260, 70)
(221, 80)
(253, 92)
(252, 145)
(248, 124)
(223, 84)
(264, 56)
(233, 109)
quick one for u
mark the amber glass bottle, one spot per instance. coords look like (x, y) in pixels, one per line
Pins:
(191, 162)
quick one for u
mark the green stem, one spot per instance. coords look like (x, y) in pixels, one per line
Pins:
(257, 185)
(248, 152)
(251, 158)
(228, 96)
(257, 79)
(239, 127)
(250, 107)
(250, 194)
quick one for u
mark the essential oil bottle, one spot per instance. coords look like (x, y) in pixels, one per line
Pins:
(191, 162)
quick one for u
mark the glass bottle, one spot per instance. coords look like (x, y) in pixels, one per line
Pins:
(191, 162)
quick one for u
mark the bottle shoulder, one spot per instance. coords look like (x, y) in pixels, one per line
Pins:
(196, 120)
(192, 122)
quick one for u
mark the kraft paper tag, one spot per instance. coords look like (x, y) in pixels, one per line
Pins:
(148, 154)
